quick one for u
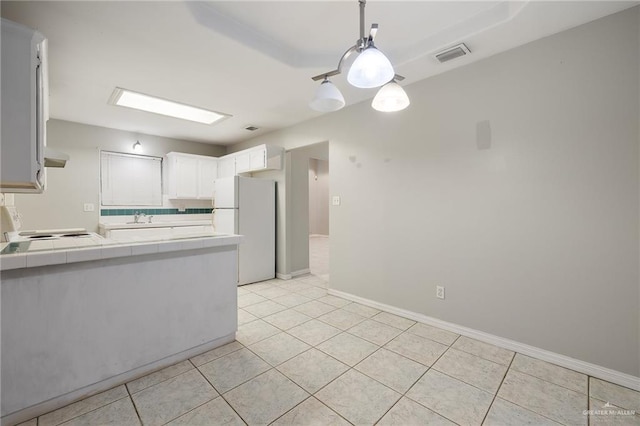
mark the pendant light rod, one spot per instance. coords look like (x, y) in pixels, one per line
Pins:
(319, 77)
(362, 4)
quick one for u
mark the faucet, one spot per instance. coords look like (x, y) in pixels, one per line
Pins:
(149, 219)
(137, 216)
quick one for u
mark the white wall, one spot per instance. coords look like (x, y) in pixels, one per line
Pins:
(61, 205)
(318, 197)
(536, 238)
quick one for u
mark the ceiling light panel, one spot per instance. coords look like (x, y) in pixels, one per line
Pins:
(148, 103)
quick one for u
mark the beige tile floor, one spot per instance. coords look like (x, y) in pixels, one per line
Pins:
(319, 256)
(303, 357)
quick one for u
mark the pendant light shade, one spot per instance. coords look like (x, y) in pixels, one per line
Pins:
(328, 98)
(370, 69)
(391, 97)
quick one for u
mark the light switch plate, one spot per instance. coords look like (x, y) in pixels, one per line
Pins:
(335, 200)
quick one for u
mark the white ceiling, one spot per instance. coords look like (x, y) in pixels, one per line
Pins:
(254, 60)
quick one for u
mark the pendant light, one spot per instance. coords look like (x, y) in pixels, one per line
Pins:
(328, 98)
(371, 68)
(391, 97)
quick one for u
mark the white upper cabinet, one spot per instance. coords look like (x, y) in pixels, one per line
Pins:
(190, 176)
(243, 162)
(208, 172)
(226, 166)
(258, 159)
(24, 108)
(261, 157)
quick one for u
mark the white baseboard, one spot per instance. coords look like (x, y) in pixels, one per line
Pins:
(66, 399)
(292, 274)
(613, 376)
(283, 276)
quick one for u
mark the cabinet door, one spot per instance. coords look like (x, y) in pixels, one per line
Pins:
(186, 177)
(184, 231)
(258, 159)
(226, 167)
(139, 234)
(207, 174)
(243, 162)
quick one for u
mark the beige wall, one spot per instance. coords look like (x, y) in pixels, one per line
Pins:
(318, 197)
(536, 239)
(69, 188)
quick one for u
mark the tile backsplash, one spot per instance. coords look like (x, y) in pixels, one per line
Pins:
(156, 211)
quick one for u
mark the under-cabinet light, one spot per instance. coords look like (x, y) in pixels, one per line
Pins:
(135, 100)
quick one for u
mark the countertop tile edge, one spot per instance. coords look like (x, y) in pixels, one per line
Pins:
(57, 257)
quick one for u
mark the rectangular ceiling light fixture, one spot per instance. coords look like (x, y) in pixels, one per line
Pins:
(135, 100)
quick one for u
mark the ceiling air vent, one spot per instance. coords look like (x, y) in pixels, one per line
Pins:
(251, 128)
(452, 53)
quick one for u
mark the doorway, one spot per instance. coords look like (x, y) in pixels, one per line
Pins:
(319, 217)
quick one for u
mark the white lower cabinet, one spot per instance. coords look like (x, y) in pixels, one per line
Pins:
(141, 234)
(157, 233)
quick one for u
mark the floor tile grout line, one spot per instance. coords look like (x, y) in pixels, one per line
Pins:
(331, 409)
(239, 384)
(518, 405)
(389, 409)
(90, 411)
(161, 381)
(284, 330)
(387, 386)
(135, 407)
(216, 358)
(194, 408)
(275, 366)
(495, 395)
(429, 367)
(589, 399)
(102, 406)
(552, 383)
(555, 365)
(279, 372)
(222, 396)
(483, 357)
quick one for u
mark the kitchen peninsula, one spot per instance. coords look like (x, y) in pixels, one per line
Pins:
(78, 321)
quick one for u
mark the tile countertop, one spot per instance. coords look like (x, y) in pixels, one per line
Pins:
(155, 224)
(56, 252)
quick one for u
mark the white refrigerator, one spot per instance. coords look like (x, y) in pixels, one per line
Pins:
(247, 206)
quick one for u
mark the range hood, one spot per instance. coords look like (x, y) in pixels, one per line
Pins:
(53, 158)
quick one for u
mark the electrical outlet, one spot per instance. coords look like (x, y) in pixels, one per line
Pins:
(89, 207)
(335, 200)
(439, 292)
